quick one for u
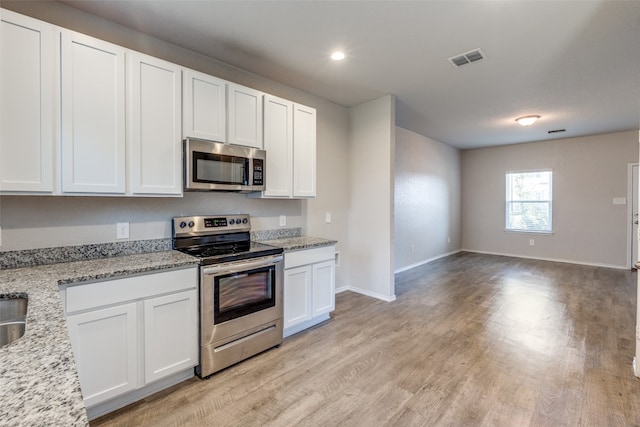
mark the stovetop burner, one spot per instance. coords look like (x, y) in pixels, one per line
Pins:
(218, 239)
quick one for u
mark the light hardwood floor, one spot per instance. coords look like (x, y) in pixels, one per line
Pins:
(471, 340)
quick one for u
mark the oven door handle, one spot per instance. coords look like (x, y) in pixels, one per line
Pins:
(242, 265)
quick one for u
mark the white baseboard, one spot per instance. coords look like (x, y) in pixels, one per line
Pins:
(566, 261)
(426, 261)
(375, 295)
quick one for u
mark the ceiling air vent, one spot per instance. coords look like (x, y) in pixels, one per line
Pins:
(467, 58)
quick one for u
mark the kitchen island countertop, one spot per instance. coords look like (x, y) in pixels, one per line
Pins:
(38, 378)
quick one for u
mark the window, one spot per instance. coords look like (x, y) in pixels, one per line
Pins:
(528, 197)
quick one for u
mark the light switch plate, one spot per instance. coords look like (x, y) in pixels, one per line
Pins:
(619, 200)
(283, 220)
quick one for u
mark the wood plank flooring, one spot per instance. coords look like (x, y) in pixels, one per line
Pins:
(471, 340)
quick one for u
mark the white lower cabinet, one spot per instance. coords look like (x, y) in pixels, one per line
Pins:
(105, 347)
(309, 288)
(297, 295)
(132, 336)
(169, 341)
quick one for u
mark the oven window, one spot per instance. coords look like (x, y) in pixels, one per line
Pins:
(239, 294)
(219, 169)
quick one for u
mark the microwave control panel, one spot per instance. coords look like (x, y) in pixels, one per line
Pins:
(258, 171)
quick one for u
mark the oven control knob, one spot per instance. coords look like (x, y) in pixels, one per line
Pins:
(245, 220)
(183, 224)
(191, 224)
(238, 221)
(232, 221)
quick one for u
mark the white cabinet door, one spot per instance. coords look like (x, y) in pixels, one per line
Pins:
(205, 106)
(245, 116)
(278, 142)
(105, 346)
(324, 286)
(297, 295)
(304, 151)
(170, 334)
(93, 115)
(27, 106)
(154, 126)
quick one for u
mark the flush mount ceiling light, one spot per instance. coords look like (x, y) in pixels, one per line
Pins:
(527, 120)
(338, 55)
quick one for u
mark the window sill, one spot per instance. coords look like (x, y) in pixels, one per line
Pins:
(544, 233)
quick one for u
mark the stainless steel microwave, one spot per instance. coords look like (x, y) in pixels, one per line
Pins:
(214, 166)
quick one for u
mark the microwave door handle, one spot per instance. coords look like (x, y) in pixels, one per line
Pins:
(241, 266)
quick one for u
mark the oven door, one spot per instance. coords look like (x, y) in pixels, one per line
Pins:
(241, 293)
(239, 296)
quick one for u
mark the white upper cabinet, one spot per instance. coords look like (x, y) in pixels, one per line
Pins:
(304, 151)
(154, 126)
(278, 142)
(290, 141)
(205, 106)
(27, 107)
(245, 116)
(93, 115)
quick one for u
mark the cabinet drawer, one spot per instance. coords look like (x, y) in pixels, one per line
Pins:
(308, 256)
(98, 294)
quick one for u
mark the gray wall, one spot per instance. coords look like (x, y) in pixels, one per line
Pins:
(45, 221)
(427, 200)
(372, 147)
(588, 173)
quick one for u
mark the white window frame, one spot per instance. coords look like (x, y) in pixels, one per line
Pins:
(508, 202)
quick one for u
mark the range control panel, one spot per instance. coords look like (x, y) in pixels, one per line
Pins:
(210, 224)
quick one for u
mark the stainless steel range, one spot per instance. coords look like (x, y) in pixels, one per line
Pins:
(240, 288)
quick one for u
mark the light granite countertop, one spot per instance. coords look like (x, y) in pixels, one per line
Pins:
(38, 378)
(297, 243)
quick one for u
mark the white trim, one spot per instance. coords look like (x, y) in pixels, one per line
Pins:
(630, 262)
(366, 292)
(635, 369)
(566, 261)
(544, 233)
(426, 261)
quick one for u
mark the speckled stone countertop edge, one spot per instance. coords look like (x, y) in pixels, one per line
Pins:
(38, 376)
(291, 244)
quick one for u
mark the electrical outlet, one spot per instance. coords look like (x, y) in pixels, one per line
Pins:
(413, 248)
(283, 220)
(532, 242)
(449, 239)
(122, 230)
(638, 333)
(327, 217)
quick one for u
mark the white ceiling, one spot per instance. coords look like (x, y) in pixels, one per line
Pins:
(575, 63)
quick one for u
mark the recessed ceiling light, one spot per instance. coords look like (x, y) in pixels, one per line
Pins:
(527, 120)
(338, 55)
